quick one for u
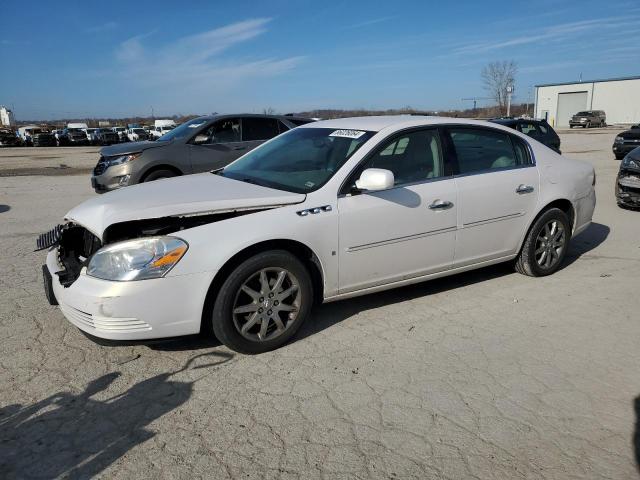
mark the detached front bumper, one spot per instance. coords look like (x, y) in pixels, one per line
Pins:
(138, 310)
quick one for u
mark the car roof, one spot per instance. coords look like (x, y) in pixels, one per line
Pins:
(218, 116)
(378, 123)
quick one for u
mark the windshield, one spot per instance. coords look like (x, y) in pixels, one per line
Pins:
(583, 113)
(139, 130)
(301, 160)
(184, 130)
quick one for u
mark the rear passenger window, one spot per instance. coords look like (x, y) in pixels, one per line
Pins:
(528, 128)
(542, 128)
(259, 128)
(480, 150)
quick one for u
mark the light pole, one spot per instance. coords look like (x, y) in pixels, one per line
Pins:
(509, 93)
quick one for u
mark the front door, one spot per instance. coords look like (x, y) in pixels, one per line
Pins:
(497, 193)
(403, 232)
(216, 146)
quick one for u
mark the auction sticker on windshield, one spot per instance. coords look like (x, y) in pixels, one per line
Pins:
(347, 133)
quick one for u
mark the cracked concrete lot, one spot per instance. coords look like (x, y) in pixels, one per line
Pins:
(487, 375)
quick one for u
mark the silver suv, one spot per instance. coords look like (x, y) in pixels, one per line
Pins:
(199, 145)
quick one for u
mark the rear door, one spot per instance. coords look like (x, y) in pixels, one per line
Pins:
(497, 185)
(216, 146)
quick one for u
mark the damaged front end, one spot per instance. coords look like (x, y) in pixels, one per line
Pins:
(628, 182)
(75, 245)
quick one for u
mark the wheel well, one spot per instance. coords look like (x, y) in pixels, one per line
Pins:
(155, 168)
(563, 204)
(299, 250)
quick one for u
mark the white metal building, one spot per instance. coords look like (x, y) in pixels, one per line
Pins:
(6, 117)
(618, 97)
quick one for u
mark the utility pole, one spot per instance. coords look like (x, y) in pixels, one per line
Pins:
(509, 93)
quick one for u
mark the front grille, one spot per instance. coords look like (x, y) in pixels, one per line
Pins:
(51, 238)
(100, 167)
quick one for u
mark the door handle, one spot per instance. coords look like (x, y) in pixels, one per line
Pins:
(440, 205)
(524, 189)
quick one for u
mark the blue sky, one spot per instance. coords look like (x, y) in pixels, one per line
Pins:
(86, 59)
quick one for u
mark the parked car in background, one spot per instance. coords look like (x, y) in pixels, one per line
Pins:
(71, 137)
(122, 133)
(89, 132)
(35, 136)
(626, 142)
(200, 145)
(9, 138)
(539, 130)
(105, 136)
(326, 211)
(161, 127)
(588, 119)
(628, 180)
(137, 134)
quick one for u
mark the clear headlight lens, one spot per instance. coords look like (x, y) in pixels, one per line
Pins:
(619, 140)
(139, 259)
(122, 159)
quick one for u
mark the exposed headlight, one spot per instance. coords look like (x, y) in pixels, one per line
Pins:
(629, 162)
(119, 160)
(619, 140)
(137, 259)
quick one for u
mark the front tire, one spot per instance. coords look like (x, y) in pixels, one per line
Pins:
(546, 244)
(159, 174)
(263, 302)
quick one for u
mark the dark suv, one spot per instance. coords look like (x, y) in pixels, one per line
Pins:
(539, 130)
(199, 145)
(589, 118)
(626, 141)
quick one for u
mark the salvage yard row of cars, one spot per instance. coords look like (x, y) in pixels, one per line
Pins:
(308, 213)
(79, 134)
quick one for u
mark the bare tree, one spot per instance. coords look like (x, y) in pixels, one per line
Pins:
(268, 111)
(497, 77)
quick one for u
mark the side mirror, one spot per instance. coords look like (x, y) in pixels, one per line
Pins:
(374, 179)
(200, 139)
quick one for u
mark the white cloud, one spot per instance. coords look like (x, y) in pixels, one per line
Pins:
(555, 33)
(194, 59)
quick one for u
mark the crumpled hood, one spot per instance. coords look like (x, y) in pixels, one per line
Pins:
(190, 194)
(130, 147)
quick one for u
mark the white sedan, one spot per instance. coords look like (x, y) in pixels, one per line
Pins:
(326, 211)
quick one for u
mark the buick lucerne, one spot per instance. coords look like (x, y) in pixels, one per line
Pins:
(326, 211)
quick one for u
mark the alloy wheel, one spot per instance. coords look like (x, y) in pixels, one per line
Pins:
(266, 304)
(550, 244)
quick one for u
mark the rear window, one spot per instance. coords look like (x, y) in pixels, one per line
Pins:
(298, 121)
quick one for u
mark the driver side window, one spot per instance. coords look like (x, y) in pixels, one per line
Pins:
(412, 157)
(222, 131)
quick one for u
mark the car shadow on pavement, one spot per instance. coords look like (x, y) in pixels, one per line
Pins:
(329, 314)
(593, 236)
(78, 435)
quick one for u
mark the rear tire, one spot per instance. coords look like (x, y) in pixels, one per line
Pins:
(262, 303)
(158, 174)
(546, 244)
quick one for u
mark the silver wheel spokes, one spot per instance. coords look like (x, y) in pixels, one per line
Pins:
(550, 243)
(266, 304)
